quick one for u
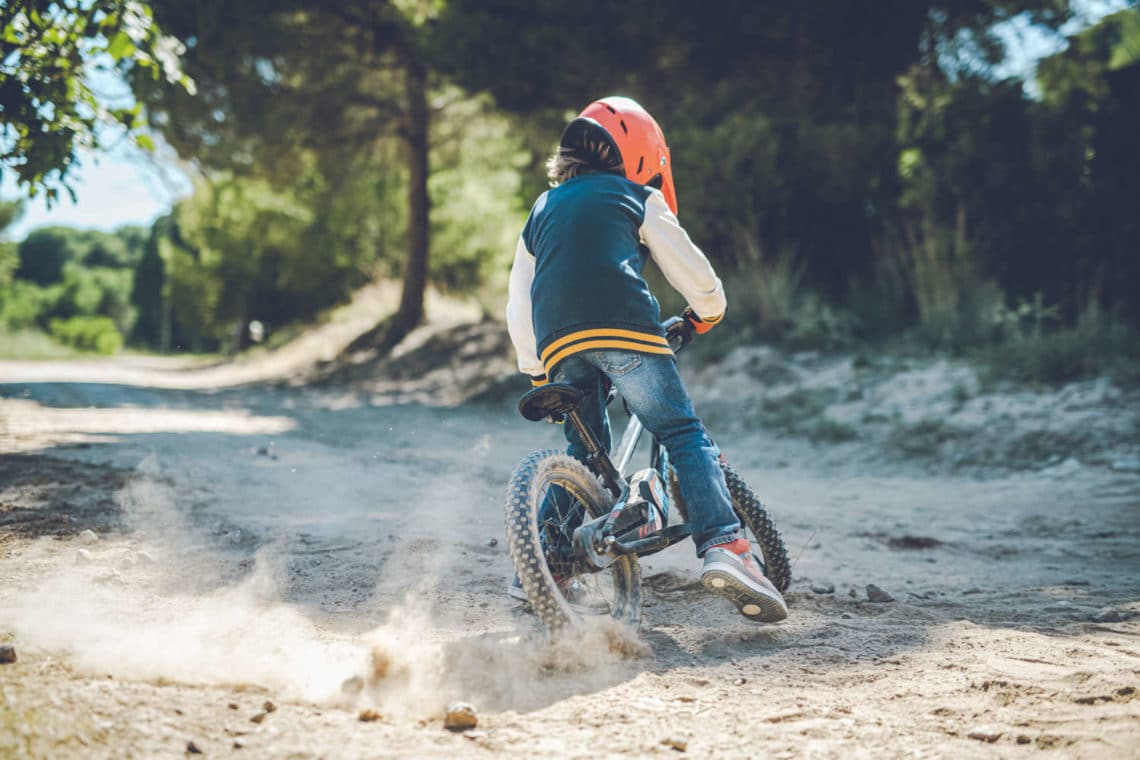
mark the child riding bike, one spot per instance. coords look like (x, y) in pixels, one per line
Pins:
(580, 312)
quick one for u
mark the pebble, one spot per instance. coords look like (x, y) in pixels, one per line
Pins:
(84, 557)
(1023, 739)
(493, 542)
(192, 748)
(257, 718)
(823, 588)
(7, 654)
(876, 594)
(460, 717)
(676, 742)
(88, 537)
(740, 682)
(846, 616)
(369, 715)
(269, 706)
(1107, 615)
(985, 734)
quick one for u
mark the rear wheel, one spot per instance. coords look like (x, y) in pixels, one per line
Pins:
(754, 518)
(550, 494)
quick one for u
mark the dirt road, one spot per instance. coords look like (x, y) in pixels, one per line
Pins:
(194, 568)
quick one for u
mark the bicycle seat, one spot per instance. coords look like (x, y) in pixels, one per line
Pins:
(550, 400)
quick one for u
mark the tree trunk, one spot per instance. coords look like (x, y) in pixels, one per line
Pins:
(411, 310)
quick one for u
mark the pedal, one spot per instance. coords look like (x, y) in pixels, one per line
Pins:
(591, 547)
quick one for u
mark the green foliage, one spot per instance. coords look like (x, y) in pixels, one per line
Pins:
(474, 185)
(47, 50)
(1034, 350)
(26, 305)
(95, 334)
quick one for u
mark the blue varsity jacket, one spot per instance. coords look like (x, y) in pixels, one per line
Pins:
(576, 283)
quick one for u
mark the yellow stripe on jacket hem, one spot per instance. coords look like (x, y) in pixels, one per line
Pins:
(603, 332)
(591, 345)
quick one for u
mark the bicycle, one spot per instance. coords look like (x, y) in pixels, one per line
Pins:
(599, 520)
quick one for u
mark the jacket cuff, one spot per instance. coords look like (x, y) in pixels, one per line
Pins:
(537, 380)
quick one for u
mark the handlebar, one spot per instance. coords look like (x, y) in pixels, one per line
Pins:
(679, 332)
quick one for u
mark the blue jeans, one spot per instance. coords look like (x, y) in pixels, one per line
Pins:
(652, 389)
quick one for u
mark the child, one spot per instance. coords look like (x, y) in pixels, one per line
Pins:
(580, 312)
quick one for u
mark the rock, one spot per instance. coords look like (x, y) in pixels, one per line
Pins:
(876, 594)
(269, 706)
(1023, 739)
(232, 705)
(985, 734)
(846, 616)
(257, 718)
(192, 748)
(740, 682)
(84, 557)
(1107, 615)
(369, 715)
(460, 717)
(88, 537)
(852, 593)
(676, 742)
(823, 588)
(7, 654)
(493, 542)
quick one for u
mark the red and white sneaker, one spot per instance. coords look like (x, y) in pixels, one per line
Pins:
(730, 571)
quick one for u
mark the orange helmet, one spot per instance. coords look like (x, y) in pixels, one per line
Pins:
(635, 135)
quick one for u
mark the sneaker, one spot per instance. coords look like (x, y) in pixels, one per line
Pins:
(731, 571)
(580, 599)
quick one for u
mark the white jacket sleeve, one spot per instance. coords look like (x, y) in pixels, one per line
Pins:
(520, 322)
(682, 263)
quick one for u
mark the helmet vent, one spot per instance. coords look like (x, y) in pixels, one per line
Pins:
(611, 108)
(640, 164)
(624, 128)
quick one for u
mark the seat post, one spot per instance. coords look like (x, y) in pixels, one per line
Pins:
(596, 455)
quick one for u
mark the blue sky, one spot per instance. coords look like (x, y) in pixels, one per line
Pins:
(127, 186)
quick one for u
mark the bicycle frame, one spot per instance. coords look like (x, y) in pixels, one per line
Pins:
(595, 541)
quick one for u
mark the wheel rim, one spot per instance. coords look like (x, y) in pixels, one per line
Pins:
(584, 593)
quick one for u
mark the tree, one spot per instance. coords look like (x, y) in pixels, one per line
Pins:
(50, 52)
(339, 80)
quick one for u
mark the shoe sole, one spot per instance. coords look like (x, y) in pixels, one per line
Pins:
(753, 604)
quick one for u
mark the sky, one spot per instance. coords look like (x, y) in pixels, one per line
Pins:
(127, 186)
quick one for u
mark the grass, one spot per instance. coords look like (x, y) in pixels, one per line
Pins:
(32, 345)
(923, 438)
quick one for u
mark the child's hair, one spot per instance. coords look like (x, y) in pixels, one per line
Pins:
(586, 158)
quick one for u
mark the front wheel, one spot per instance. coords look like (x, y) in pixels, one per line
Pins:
(550, 494)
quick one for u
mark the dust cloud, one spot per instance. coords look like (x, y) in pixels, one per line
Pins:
(160, 602)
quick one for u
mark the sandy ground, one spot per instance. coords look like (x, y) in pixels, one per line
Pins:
(190, 563)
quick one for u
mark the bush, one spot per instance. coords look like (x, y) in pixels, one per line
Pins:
(97, 334)
(1031, 352)
(25, 305)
